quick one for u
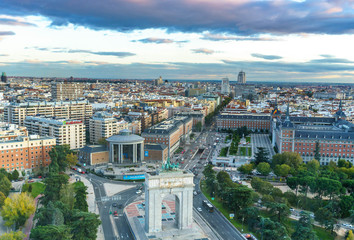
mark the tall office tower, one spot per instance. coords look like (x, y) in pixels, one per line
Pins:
(4, 77)
(77, 110)
(67, 91)
(225, 86)
(241, 77)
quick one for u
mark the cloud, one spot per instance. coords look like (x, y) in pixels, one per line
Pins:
(266, 57)
(203, 50)
(330, 59)
(246, 17)
(155, 40)
(15, 22)
(6, 33)
(4, 55)
(102, 53)
(116, 54)
(223, 37)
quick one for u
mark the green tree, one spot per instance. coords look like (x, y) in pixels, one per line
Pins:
(282, 170)
(224, 179)
(326, 218)
(85, 226)
(13, 236)
(261, 186)
(54, 184)
(237, 197)
(313, 166)
(2, 199)
(80, 196)
(246, 168)
(58, 156)
(293, 183)
(5, 184)
(17, 209)
(71, 159)
(264, 168)
(49, 215)
(51, 232)
(291, 159)
(270, 230)
(344, 163)
(279, 211)
(346, 203)
(15, 175)
(67, 195)
(303, 229)
(261, 155)
(251, 216)
(317, 151)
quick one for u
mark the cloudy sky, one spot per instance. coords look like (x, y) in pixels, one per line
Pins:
(281, 40)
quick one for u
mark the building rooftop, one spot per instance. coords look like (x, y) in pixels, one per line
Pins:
(125, 136)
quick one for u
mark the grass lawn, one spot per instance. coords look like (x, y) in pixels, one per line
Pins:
(37, 188)
(248, 139)
(223, 152)
(249, 152)
(242, 151)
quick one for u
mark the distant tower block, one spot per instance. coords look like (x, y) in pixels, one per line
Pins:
(225, 86)
(179, 183)
(3, 77)
(241, 77)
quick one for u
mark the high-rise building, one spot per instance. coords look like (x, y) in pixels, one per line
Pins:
(158, 81)
(225, 86)
(66, 91)
(78, 110)
(3, 77)
(241, 77)
(65, 131)
(104, 125)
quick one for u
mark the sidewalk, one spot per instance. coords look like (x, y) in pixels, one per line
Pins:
(29, 223)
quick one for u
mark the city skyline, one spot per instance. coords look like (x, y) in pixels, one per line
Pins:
(293, 41)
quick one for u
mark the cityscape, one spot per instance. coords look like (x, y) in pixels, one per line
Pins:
(189, 120)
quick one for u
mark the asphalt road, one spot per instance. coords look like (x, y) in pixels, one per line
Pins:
(215, 219)
(105, 207)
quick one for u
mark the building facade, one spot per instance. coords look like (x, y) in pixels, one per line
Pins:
(78, 110)
(126, 148)
(241, 78)
(11, 131)
(255, 122)
(3, 77)
(94, 155)
(170, 132)
(65, 131)
(334, 136)
(225, 86)
(103, 125)
(64, 91)
(26, 153)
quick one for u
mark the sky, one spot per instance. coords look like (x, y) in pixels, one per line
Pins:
(280, 40)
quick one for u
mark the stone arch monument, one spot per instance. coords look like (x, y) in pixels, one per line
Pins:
(176, 182)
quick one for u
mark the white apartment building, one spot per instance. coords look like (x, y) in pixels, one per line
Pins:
(17, 112)
(70, 132)
(104, 125)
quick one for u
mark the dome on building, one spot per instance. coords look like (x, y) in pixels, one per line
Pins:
(125, 136)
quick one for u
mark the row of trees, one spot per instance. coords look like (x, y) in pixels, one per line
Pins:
(209, 117)
(240, 199)
(64, 214)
